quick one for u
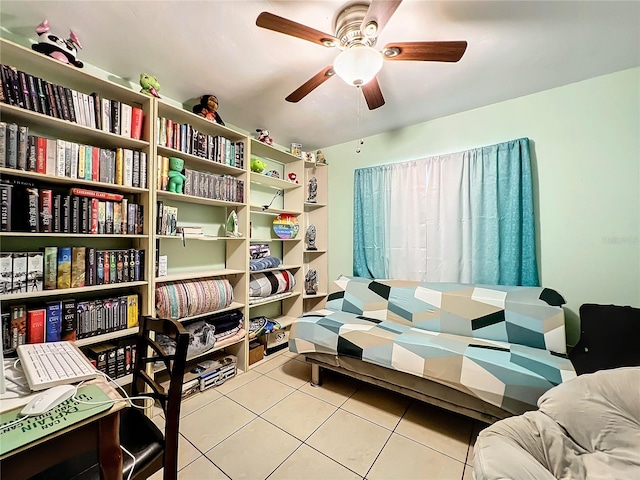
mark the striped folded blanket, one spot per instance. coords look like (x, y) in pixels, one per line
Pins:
(192, 297)
(264, 284)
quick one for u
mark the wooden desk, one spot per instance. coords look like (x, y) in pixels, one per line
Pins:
(100, 433)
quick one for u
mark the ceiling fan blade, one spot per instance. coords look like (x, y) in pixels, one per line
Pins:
(378, 15)
(425, 51)
(314, 82)
(373, 94)
(288, 27)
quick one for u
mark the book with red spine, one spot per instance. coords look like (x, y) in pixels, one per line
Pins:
(137, 117)
(83, 192)
(94, 215)
(41, 155)
(35, 325)
(95, 164)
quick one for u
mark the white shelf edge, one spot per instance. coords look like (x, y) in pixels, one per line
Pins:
(197, 274)
(69, 291)
(105, 337)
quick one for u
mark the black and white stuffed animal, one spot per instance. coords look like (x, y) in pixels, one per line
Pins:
(64, 50)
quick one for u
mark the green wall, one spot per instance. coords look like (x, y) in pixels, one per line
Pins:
(586, 159)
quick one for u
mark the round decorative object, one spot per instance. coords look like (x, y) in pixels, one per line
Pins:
(286, 226)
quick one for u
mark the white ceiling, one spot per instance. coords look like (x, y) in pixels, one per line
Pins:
(199, 47)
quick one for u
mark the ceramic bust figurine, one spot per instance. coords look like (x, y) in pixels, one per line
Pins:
(313, 190)
(311, 282)
(310, 238)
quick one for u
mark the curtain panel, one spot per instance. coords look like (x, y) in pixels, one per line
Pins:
(465, 217)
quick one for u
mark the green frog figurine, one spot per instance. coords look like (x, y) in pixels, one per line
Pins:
(176, 178)
(150, 85)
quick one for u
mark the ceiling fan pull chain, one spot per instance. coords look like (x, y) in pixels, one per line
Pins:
(358, 113)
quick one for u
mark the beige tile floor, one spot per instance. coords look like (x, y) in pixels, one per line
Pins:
(270, 423)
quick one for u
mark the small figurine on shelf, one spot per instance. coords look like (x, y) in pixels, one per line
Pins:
(231, 227)
(263, 136)
(176, 178)
(296, 150)
(311, 282)
(293, 178)
(150, 85)
(64, 50)
(313, 190)
(257, 165)
(273, 173)
(208, 108)
(320, 158)
(310, 237)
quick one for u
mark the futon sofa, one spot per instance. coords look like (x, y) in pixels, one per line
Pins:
(488, 352)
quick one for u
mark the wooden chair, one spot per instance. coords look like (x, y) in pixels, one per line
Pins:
(138, 434)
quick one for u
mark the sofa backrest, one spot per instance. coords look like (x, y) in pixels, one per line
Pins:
(530, 316)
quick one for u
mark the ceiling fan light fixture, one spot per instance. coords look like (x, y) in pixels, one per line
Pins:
(358, 65)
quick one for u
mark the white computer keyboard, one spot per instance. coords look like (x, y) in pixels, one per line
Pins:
(54, 363)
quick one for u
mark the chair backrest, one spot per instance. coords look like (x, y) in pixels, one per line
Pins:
(148, 351)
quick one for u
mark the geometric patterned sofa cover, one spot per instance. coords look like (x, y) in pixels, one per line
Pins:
(502, 344)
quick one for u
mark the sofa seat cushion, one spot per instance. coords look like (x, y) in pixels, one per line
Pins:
(530, 316)
(509, 376)
(588, 427)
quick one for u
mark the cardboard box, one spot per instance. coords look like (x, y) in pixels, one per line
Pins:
(256, 352)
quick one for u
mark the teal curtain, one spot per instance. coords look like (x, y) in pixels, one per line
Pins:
(484, 196)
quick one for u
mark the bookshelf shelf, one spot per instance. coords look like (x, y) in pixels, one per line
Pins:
(180, 197)
(57, 128)
(233, 306)
(70, 291)
(65, 235)
(272, 182)
(313, 206)
(197, 274)
(272, 211)
(106, 337)
(317, 295)
(203, 238)
(277, 298)
(315, 252)
(308, 164)
(267, 151)
(267, 240)
(276, 269)
(217, 347)
(71, 181)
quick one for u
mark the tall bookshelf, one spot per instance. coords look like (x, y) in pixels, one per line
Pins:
(212, 255)
(42, 125)
(316, 214)
(270, 197)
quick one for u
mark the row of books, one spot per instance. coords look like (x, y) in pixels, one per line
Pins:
(167, 219)
(218, 187)
(62, 158)
(186, 138)
(68, 267)
(114, 359)
(91, 110)
(25, 207)
(67, 319)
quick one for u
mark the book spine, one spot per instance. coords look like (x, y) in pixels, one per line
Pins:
(5, 207)
(23, 147)
(102, 216)
(66, 214)
(143, 170)
(88, 153)
(33, 210)
(78, 265)
(51, 100)
(81, 162)
(119, 266)
(74, 160)
(75, 214)
(67, 159)
(95, 213)
(132, 311)
(57, 213)
(97, 110)
(135, 180)
(32, 157)
(83, 192)
(73, 117)
(12, 145)
(60, 158)
(90, 268)
(68, 328)
(108, 222)
(100, 268)
(25, 94)
(128, 168)
(46, 210)
(64, 267)
(106, 115)
(19, 284)
(33, 91)
(80, 112)
(3, 144)
(52, 156)
(42, 96)
(85, 215)
(137, 116)
(50, 268)
(18, 325)
(125, 120)
(115, 117)
(117, 218)
(113, 271)
(41, 155)
(36, 325)
(95, 164)
(107, 267)
(54, 321)
(119, 166)
(35, 271)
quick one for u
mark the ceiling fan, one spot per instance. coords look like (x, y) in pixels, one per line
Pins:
(356, 28)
